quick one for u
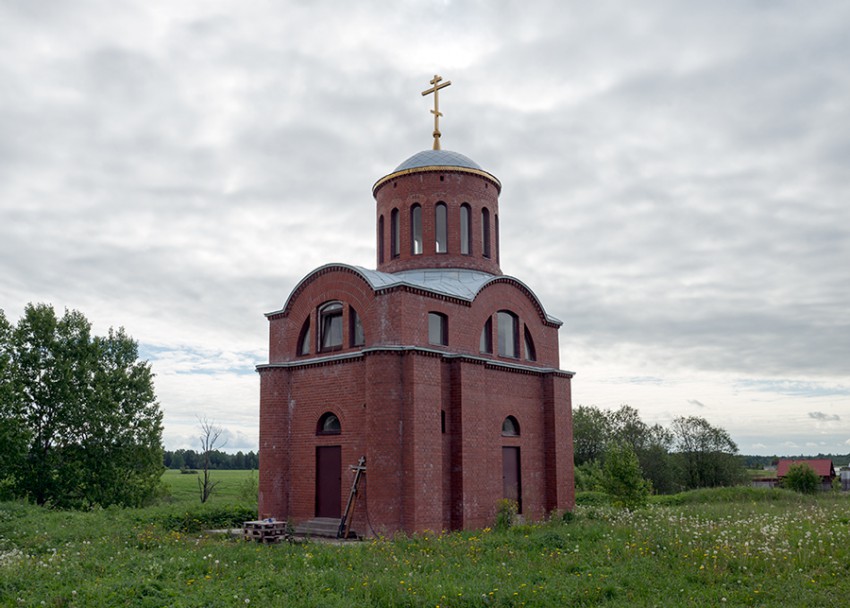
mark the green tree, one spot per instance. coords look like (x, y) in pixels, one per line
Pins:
(594, 430)
(623, 479)
(801, 478)
(13, 433)
(589, 477)
(90, 427)
(705, 455)
(591, 434)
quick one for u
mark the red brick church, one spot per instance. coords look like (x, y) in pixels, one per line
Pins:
(436, 368)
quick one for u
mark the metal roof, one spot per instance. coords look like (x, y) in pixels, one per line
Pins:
(437, 158)
(459, 283)
(453, 282)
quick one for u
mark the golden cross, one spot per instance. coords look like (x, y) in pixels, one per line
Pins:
(436, 111)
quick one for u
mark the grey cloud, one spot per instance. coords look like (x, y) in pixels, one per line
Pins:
(675, 188)
(820, 416)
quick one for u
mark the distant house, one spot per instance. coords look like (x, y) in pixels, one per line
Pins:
(822, 466)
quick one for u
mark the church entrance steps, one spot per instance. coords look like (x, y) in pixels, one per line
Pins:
(327, 527)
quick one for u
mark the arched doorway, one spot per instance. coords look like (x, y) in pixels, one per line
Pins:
(511, 466)
(328, 469)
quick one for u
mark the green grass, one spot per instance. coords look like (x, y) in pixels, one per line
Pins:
(233, 486)
(728, 547)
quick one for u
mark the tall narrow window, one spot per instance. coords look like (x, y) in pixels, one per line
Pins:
(496, 219)
(441, 230)
(486, 342)
(357, 337)
(416, 230)
(395, 235)
(508, 330)
(438, 329)
(465, 229)
(330, 324)
(304, 338)
(485, 232)
(530, 353)
(381, 240)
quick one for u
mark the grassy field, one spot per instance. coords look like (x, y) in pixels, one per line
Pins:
(233, 486)
(738, 547)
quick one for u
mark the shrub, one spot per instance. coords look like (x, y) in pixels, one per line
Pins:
(506, 511)
(589, 476)
(623, 480)
(205, 517)
(592, 499)
(801, 478)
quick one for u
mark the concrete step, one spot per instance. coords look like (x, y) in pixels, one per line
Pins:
(319, 526)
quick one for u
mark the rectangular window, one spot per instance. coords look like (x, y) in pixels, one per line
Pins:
(357, 336)
(438, 329)
(395, 235)
(465, 229)
(508, 329)
(486, 343)
(440, 218)
(485, 232)
(416, 230)
(331, 326)
(381, 240)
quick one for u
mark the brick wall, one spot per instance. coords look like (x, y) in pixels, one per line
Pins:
(427, 189)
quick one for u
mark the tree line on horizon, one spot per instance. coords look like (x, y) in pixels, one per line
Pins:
(191, 460)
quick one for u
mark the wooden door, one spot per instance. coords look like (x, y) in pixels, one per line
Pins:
(511, 479)
(328, 481)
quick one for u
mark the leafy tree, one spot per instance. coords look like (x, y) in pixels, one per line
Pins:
(589, 477)
(622, 477)
(591, 433)
(594, 430)
(89, 426)
(705, 455)
(13, 433)
(801, 478)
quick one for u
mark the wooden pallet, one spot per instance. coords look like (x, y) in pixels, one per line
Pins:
(265, 531)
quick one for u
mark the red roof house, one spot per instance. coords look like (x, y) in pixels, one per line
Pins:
(822, 466)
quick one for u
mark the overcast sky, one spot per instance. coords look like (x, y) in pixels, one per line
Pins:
(676, 185)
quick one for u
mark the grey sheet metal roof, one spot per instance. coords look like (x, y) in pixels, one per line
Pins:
(437, 158)
(453, 282)
(463, 284)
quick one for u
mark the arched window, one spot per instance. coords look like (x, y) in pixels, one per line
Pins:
(395, 235)
(304, 338)
(416, 229)
(441, 228)
(485, 232)
(508, 330)
(357, 338)
(381, 240)
(330, 326)
(328, 425)
(438, 329)
(530, 352)
(510, 427)
(465, 229)
(485, 344)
